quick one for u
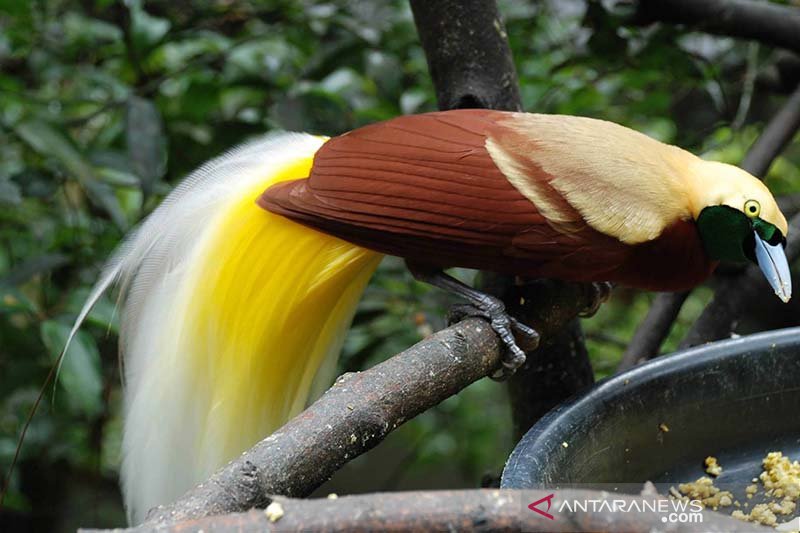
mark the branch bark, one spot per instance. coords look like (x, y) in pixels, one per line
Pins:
(468, 55)
(766, 22)
(356, 414)
(560, 367)
(456, 510)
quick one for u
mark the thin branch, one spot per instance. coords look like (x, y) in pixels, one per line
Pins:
(767, 22)
(749, 84)
(782, 75)
(776, 135)
(457, 510)
(357, 413)
(653, 329)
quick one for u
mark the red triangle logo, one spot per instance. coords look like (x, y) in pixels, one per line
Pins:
(549, 499)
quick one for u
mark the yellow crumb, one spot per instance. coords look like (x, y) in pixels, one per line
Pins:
(781, 480)
(760, 514)
(784, 507)
(781, 477)
(274, 511)
(712, 467)
(704, 490)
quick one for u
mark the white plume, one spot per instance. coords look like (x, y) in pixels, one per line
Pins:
(149, 266)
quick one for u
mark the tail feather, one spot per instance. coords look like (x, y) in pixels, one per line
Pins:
(230, 313)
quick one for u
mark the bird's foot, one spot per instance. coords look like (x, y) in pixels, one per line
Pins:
(513, 334)
(484, 306)
(599, 292)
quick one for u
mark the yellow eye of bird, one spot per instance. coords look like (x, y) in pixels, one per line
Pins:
(752, 208)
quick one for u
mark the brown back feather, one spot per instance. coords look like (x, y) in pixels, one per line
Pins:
(423, 187)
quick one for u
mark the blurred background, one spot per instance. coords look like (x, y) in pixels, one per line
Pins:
(105, 105)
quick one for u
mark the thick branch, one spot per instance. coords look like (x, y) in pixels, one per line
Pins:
(355, 415)
(560, 367)
(468, 54)
(767, 22)
(456, 510)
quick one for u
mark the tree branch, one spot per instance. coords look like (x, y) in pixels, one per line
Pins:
(776, 135)
(356, 414)
(468, 55)
(653, 329)
(453, 510)
(766, 22)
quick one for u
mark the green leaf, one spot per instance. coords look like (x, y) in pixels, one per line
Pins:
(147, 143)
(80, 375)
(13, 300)
(9, 192)
(50, 142)
(32, 266)
(81, 30)
(386, 70)
(147, 30)
(33, 183)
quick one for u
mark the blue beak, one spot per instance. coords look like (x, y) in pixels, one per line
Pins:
(772, 261)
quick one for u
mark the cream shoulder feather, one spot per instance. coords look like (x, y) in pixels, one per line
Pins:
(622, 182)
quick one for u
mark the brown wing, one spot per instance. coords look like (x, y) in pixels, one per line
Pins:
(423, 187)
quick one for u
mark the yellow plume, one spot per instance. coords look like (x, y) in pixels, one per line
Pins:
(230, 313)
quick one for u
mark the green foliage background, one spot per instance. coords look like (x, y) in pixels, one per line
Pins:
(105, 105)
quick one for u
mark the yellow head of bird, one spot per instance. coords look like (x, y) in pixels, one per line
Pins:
(739, 219)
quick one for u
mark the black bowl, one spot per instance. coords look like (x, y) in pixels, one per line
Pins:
(735, 400)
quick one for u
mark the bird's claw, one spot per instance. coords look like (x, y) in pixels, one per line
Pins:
(485, 306)
(509, 329)
(599, 293)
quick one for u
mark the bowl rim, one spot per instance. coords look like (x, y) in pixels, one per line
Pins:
(564, 414)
